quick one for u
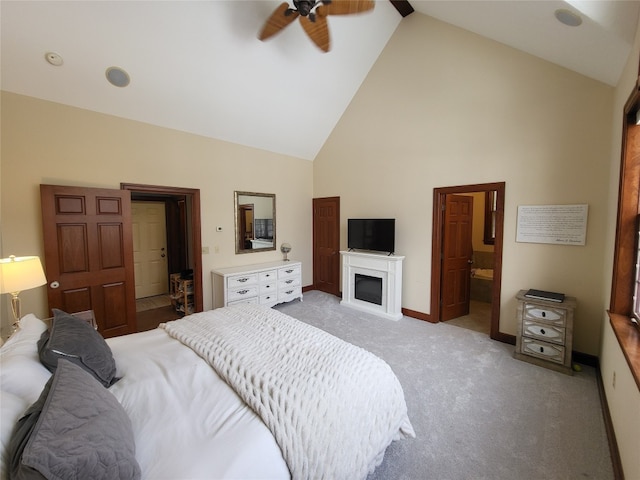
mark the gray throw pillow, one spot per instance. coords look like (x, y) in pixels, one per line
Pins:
(75, 340)
(76, 430)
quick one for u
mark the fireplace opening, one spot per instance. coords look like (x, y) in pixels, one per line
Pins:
(368, 289)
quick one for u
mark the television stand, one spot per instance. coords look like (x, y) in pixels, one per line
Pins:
(372, 282)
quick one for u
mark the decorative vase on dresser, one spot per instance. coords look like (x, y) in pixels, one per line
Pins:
(263, 283)
(545, 332)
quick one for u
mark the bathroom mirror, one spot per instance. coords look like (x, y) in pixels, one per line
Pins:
(255, 222)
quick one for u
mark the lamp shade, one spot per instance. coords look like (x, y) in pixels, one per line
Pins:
(20, 273)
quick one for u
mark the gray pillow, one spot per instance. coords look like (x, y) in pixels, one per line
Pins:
(75, 340)
(76, 430)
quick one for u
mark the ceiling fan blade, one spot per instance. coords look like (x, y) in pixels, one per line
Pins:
(277, 21)
(346, 7)
(318, 31)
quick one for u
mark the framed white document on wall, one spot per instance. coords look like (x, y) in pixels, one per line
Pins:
(554, 224)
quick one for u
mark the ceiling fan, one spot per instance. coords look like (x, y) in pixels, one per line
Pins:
(313, 17)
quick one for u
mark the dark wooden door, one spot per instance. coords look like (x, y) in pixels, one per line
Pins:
(456, 256)
(88, 246)
(326, 244)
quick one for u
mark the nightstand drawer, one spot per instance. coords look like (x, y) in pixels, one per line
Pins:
(547, 351)
(538, 313)
(241, 293)
(541, 331)
(242, 280)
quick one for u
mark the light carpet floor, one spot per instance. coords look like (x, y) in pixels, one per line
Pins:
(478, 413)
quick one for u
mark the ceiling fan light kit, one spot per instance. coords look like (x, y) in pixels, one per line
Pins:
(313, 17)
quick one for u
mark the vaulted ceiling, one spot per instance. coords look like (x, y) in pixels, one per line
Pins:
(197, 66)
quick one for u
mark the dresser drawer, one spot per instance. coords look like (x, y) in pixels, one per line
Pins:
(547, 351)
(288, 283)
(241, 293)
(550, 315)
(289, 294)
(542, 331)
(242, 280)
(244, 300)
(269, 299)
(289, 272)
(268, 277)
(267, 288)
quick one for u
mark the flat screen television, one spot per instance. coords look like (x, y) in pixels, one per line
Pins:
(376, 234)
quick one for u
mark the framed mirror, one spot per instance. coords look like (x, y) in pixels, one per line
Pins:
(255, 222)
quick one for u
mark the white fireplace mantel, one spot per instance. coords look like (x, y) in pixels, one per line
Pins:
(386, 267)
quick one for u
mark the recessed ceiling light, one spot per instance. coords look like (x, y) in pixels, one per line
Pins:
(117, 77)
(568, 17)
(53, 58)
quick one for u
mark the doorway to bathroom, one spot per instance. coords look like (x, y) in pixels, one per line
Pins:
(458, 255)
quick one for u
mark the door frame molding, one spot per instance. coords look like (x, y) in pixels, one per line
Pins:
(439, 197)
(195, 225)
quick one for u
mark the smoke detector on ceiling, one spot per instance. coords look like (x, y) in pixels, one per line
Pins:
(53, 58)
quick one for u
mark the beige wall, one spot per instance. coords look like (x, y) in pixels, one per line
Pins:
(623, 397)
(44, 142)
(445, 107)
(441, 107)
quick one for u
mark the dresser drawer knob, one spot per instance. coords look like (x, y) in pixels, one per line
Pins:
(242, 280)
(288, 271)
(242, 292)
(288, 281)
(542, 331)
(544, 314)
(289, 292)
(541, 349)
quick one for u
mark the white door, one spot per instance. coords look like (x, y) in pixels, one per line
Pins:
(150, 248)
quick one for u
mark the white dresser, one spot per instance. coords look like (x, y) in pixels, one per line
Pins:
(263, 283)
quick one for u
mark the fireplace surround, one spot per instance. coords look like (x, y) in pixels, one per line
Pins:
(372, 283)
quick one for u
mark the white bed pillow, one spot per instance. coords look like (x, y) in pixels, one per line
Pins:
(22, 378)
(22, 373)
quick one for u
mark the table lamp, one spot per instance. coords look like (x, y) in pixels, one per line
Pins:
(18, 274)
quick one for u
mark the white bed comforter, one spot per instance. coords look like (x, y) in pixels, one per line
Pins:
(188, 423)
(332, 407)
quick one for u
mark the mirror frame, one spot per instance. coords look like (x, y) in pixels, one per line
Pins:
(238, 235)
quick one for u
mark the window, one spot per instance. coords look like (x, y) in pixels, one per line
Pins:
(625, 288)
(490, 208)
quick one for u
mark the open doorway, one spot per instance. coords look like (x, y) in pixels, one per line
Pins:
(182, 252)
(439, 277)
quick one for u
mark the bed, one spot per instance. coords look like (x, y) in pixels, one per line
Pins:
(241, 392)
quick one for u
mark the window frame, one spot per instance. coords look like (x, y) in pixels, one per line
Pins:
(621, 306)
